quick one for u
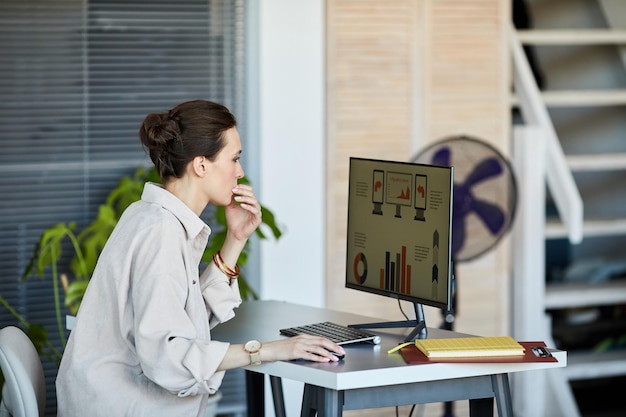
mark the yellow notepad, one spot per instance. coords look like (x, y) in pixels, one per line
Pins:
(469, 346)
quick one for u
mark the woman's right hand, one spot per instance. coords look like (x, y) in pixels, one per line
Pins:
(312, 348)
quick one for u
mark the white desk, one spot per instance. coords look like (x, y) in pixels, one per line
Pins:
(368, 377)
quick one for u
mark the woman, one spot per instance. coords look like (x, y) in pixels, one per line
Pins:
(141, 344)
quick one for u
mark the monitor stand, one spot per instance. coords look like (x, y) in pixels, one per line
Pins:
(419, 325)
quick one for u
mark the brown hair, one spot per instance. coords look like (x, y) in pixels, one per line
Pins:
(193, 128)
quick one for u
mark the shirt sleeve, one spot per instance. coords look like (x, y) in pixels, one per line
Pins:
(221, 294)
(172, 352)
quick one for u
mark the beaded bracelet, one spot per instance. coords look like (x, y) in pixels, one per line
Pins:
(221, 265)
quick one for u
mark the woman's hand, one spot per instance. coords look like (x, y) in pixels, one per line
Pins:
(243, 214)
(312, 348)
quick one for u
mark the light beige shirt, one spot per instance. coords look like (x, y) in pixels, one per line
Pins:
(141, 344)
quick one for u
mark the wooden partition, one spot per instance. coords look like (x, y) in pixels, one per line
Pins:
(401, 74)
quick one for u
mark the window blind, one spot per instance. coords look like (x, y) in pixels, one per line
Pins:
(76, 80)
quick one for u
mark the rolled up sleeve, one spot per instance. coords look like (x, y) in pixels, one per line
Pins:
(221, 294)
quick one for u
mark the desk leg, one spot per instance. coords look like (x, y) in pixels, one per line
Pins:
(481, 407)
(324, 402)
(255, 391)
(277, 395)
(309, 401)
(330, 403)
(502, 392)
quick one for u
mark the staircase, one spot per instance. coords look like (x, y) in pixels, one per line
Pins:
(578, 122)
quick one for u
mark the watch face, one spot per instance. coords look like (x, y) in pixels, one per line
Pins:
(252, 346)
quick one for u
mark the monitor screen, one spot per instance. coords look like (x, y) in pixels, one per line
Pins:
(400, 230)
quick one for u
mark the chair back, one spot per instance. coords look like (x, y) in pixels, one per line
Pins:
(24, 390)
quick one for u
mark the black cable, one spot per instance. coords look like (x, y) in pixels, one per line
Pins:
(410, 412)
(402, 311)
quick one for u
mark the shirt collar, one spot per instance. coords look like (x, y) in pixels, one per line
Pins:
(156, 194)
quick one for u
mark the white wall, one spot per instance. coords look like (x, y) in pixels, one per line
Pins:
(291, 124)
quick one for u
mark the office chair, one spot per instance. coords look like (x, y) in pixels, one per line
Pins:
(24, 390)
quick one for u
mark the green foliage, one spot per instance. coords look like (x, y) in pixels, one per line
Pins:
(37, 334)
(88, 244)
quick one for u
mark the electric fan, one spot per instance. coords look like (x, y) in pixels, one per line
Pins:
(483, 205)
(485, 193)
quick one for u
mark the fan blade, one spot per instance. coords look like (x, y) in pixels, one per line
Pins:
(441, 157)
(487, 168)
(491, 215)
(458, 235)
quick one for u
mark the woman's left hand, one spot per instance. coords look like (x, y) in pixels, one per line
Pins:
(243, 214)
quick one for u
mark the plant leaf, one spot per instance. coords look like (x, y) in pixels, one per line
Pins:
(270, 220)
(92, 240)
(246, 291)
(127, 191)
(38, 335)
(74, 295)
(48, 250)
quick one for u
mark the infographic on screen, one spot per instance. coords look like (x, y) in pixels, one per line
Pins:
(399, 219)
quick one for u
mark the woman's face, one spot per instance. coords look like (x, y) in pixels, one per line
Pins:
(225, 170)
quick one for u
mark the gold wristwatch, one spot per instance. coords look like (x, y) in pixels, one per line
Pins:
(253, 347)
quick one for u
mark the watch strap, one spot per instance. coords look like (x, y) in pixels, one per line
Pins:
(255, 358)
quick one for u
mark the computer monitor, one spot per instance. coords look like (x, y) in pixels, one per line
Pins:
(400, 235)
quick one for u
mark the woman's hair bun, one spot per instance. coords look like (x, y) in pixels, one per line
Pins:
(159, 129)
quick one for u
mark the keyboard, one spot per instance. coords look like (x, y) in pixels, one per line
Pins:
(338, 333)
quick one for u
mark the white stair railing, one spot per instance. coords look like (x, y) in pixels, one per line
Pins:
(558, 175)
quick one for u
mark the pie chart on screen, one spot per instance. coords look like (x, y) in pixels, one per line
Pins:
(359, 268)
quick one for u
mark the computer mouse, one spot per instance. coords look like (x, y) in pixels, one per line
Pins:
(339, 356)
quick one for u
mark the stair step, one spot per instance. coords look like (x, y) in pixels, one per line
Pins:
(580, 98)
(572, 36)
(597, 162)
(585, 98)
(585, 295)
(593, 365)
(605, 227)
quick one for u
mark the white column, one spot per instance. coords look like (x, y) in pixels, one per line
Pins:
(291, 151)
(529, 319)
